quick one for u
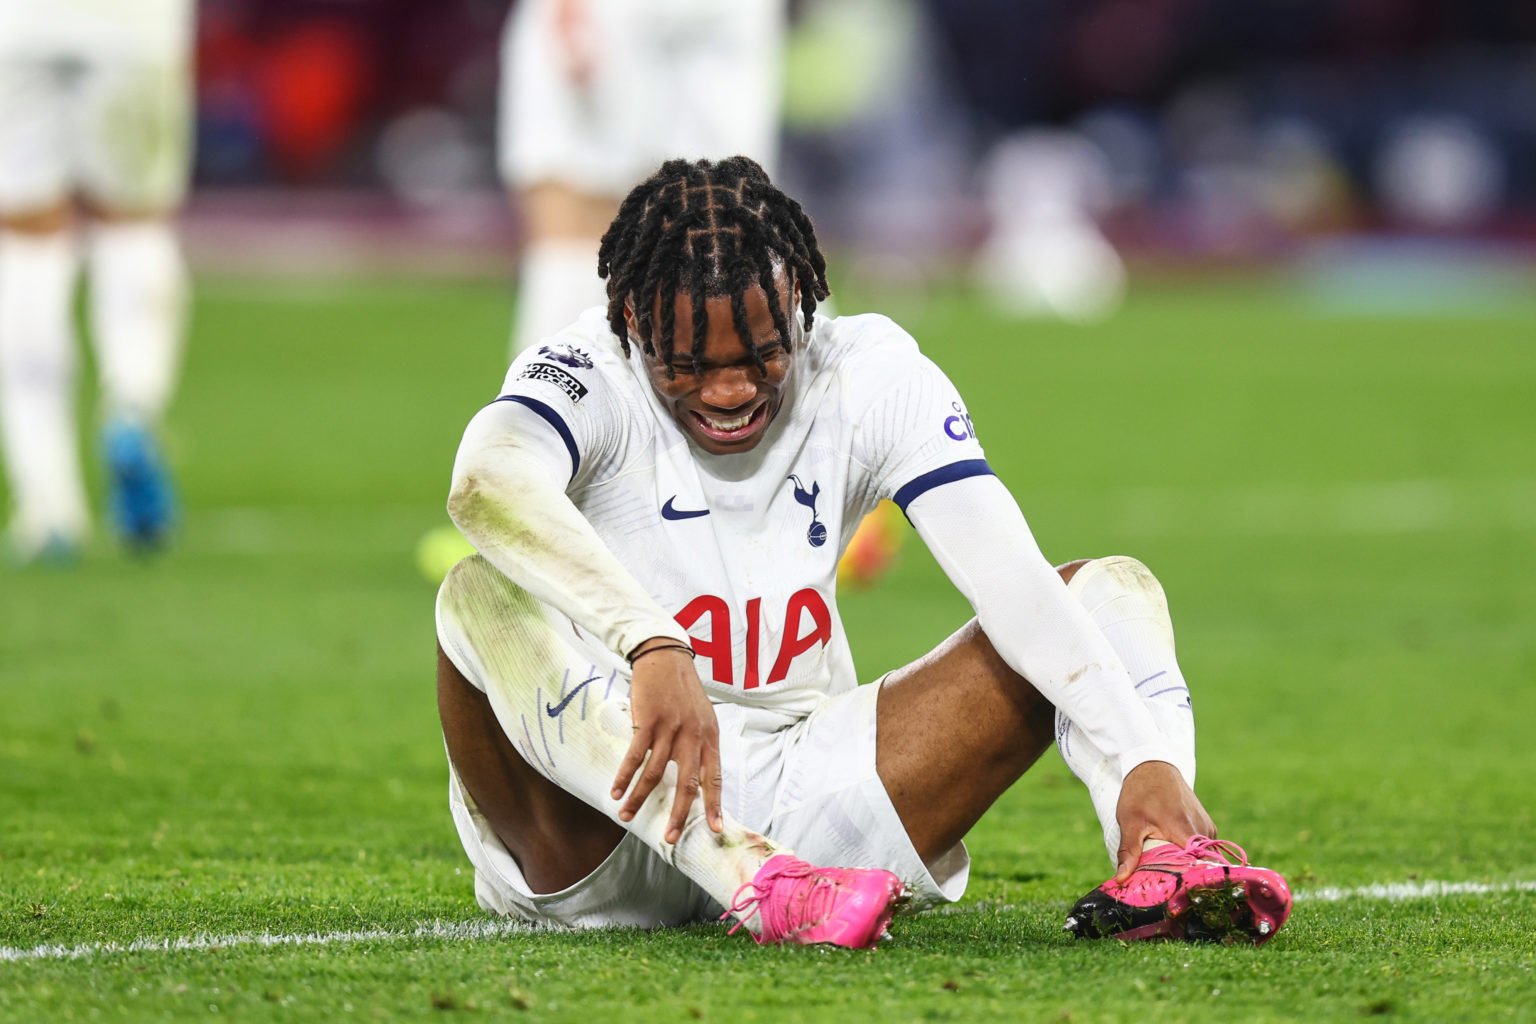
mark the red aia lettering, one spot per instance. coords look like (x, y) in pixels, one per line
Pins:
(754, 631)
(717, 645)
(802, 601)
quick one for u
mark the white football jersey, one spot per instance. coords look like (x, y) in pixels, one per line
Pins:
(743, 548)
(144, 29)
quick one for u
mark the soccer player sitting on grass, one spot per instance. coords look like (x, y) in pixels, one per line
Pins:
(647, 696)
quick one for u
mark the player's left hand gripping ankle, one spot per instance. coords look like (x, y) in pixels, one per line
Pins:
(1156, 803)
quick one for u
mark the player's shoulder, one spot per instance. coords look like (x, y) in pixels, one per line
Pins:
(583, 363)
(863, 336)
(866, 353)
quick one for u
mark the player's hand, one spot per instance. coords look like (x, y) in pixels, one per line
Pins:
(1156, 803)
(674, 721)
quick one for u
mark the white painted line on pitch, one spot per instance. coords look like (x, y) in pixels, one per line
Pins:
(1392, 892)
(1397, 892)
(486, 929)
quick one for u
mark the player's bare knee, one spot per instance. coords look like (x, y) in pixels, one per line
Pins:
(118, 216)
(48, 220)
(1069, 569)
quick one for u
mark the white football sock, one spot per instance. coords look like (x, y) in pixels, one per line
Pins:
(1129, 607)
(37, 390)
(557, 281)
(138, 304)
(499, 632)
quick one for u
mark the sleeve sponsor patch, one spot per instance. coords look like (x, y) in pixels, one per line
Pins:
(574, 389)
(959, 426)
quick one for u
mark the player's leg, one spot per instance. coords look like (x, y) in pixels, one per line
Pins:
(954, 730)
(563, 165)
(1129, 606)
(959, 726)
(899, 772)
(37, 387)
(37, 273)
(132, 182)
(138, 302)
(1205, 890)
(556, 838)
(138, 295)
(965, 689)
(557, 272)
(564, 721)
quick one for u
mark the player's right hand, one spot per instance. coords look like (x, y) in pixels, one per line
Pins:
(674, 722)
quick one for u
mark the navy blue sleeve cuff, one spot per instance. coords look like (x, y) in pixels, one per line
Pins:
(935, 477)
(553, 419)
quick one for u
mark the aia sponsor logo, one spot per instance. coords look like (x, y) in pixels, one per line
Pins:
(807, 624)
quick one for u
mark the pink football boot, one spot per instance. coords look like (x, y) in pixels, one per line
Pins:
(799, 902)
(1194, 892)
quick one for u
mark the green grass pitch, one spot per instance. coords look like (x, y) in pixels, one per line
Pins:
(239, 740)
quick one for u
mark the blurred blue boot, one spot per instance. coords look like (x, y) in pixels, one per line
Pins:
(143, 499)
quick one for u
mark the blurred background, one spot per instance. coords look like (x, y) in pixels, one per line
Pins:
(1196, 130)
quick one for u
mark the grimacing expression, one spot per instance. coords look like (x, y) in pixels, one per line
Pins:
(726, 403)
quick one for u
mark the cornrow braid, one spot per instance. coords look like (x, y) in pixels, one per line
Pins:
(706, 228)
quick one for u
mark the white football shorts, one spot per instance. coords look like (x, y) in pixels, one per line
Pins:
(809, 784)
(670, 78)
(115, 129)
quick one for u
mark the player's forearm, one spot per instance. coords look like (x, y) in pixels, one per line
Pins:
(513, 511)
(979, 537)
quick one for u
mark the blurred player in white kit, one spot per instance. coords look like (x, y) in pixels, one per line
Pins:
(595, 94)
(95, 100)
(1046, 255)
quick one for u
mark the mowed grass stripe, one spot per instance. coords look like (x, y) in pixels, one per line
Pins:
(1340, 508)
(1392, 892)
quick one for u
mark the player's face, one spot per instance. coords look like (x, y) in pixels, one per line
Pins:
(726, 405)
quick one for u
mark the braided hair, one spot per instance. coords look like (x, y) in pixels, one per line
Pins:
(706, 228)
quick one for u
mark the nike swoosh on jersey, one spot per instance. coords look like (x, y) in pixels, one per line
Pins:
(668, 512)
(554, 710)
